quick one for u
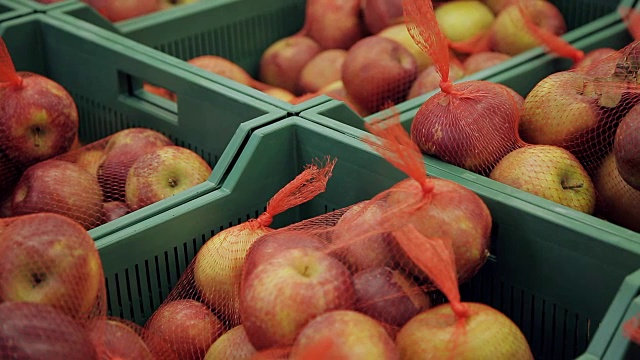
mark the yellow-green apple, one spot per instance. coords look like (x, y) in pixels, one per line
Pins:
(464, 19)
(222, 67)
(118, 10)
(617, 201)
(626, 148)
(497, 5)
(510, 33)
(187, 326)
(334, 24)
(322, 70)
(90, 160)
(38, 331)
(550, 172)
(400, 34)
(232, 345)
(38, 118)
(59, 187)
(282, 62)
(429, 79)
(115, 339)
(282, 295)
(380, 14)
(163, 173)
(437, 332)
(378, 70)
(352, 336)
(388, 295)
(49, 259)
(121, 151)
(483, 60)
(112, 210)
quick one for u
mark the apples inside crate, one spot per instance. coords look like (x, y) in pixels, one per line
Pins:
(554, 277)
(105, 79)
(242, 30)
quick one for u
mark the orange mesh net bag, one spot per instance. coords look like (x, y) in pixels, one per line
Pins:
(204, 304)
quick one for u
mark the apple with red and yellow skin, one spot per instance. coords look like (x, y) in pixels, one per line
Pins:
(279, 93)
(483, 60)
(510, 33)
(378, 70)
(164, 173)
(322, 70)
(112, 210)
(223, 67)
(232, 345)
(351, 335)
(429, 79)
(282, 295)
(626, 148)
(334, 24)
(118, 10)
(116, 340)
(337, 91)
(617, 201)
(187, 326)
(162, 92)
(464, 19)
(487, 334)
(550, 172)
(380, 14)
(497, 5)
(90, 160)
(59, 187)
(50, 259)
(388, 295)
(283, 61)
(39, 331)
(400, 34)
(39, 119)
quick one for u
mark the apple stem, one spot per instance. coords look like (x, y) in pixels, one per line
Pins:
(572, 186)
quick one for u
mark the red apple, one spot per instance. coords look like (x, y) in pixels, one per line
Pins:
(378, 70)
(626, 148)
(282, 295)
(380, 14)
(617, 201)
(483, 60)
(187, 326)
(36, 331)
(116, 340)
(400, 34)
(222, 67)
(118, 10)
(323, 69)
(164, 173)
(59, 187)
(112, 210)
(90, 160)
(232, 345)
(162, 92)
(429, 79)
(352, 336)
(39, 119)
(283, 61)
(50, 259)
(334, 24)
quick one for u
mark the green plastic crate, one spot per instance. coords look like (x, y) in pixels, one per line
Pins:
(104, 79)
(241, 30)
(337, 115)
(39, 7)
(9, 10)
(555, 277)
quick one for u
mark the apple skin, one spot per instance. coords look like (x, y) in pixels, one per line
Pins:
(162, 92)
(187, 326)
(117, 10)
(39, 119)
(337, 91)
(279, 93)
(429, 79)
(510, 34)
(497, 5)
(334, 24)
(116, 340)
(90, 160)
(617, 201)
(59, 187)
(464, 19)
(222, 67)
(378, 70)
(32, 331)
(164, 173)
(550, 172)
(388, 296)
(626, 148)
(483, 60)
(232, 345)
(50, 259)
(591, 58)
(380, 14)
(400, 34)
(282, 295)
(283, 61)
(488, 334)
(321, 70)
(121, 151)
(112, 210)
(353, 336)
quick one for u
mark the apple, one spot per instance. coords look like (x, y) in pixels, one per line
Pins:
(510, 33)
(388, 295)
(497, 5)
(380, 14)
(483, 60)
(464, 19)
(550, 172)
(378, 70)
(90, 160)
(283, 61)
(321, 70)
(223, 67)
(617, 201)
(334, 24)
(59, 187)
(122, 149)
(187, 326)
(112, 210)
(337, 91)
(280, 353)
(49, 259)
(350, 335)
(39, 119)
(232, 345)
(429, 79)
(116, 340)
(38, 331)
(626, 148)
(592, 59)
(162, 92)
(400, 34)
(118, 10)
(283, 294)
(163, 173)
(279, 93)
(487, 334)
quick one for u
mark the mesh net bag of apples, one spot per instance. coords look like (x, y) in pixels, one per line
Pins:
(44, 168)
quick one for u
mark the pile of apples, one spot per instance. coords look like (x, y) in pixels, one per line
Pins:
(118, 10)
